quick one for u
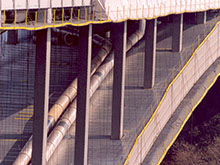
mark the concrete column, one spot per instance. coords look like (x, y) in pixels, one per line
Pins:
(119, 37)
(41, 96)
(0, 33)
(108, 34)
(12, 37)
(150, 53)
(177, 33)
(83, 95)
(201, 17)
(1, 20)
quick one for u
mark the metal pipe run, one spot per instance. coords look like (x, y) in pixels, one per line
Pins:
(70, 93)
(61, 104)
(69, 116)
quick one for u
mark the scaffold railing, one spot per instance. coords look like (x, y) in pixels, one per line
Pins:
(97, 12)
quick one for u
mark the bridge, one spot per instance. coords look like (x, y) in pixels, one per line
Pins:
(128, 110)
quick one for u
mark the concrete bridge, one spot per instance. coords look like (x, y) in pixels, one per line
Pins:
(140, 119)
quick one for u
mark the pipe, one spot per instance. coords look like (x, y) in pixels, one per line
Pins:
(70, 93)
(69, 116)
(61, 104)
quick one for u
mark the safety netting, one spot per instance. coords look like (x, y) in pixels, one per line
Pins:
(17, 76)
(128, 9)
(61, 13)
(17, 89)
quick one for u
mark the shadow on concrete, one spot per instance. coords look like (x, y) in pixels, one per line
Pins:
(18, 145)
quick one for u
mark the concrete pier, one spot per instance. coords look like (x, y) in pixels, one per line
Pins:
(201, 17)
(119, 36)
(83, 95)
(177, 33)
(150, 53)
(41, 96)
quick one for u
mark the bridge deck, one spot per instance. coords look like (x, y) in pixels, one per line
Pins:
(174, 125)
(102, 150)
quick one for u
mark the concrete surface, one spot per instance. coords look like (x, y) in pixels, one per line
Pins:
(102, 150)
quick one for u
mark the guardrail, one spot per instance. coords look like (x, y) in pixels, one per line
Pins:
(203, 57)
(59, 13)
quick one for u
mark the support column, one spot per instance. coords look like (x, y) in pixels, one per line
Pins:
(0, 33)
(41, 96)
(83, 95)
(150, 53)
(12, 37)
(201, 17)
(108, 34)
(119, 37)
(177, 33)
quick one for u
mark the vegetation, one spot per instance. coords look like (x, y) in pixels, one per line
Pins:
(199, 141)
(199, 146)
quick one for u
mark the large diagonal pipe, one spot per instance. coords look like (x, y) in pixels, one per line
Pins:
(69, 116)
(61, 104)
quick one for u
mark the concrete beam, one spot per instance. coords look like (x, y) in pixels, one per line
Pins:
(150, 53)
(201, 17)
(12, 37)
(119, 37)
(83, 95)
(41, 96)
(177, 33)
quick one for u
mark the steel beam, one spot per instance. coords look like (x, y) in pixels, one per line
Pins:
(119, 36)
(150, 53)
(83, 95)
(41, 96)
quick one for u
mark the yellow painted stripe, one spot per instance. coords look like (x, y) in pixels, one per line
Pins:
(126, 130)
(95, 22)
(28, 109)
(19, 115)
(167, 91)
(12, 140)
(27, 112)
(164, 48)
(17, 118)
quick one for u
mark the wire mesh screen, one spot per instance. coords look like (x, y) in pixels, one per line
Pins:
(168, 65)
(17, 71)
(16, 94)
(17, 85)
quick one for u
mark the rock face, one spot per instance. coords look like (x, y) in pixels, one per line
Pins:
(199, 141)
